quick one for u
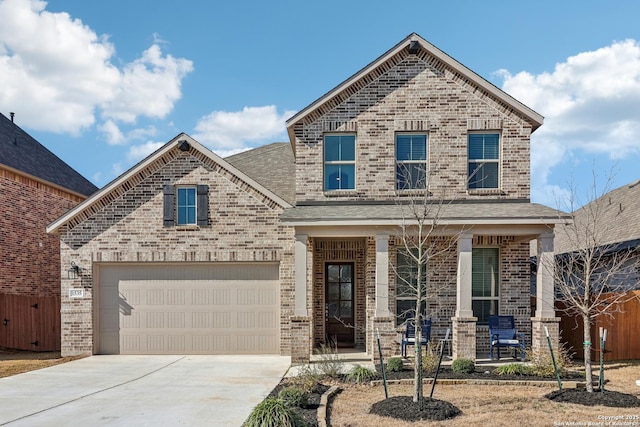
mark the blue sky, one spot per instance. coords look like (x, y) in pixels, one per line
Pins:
(104, 83)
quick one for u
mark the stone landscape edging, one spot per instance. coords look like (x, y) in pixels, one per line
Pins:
(324, 404)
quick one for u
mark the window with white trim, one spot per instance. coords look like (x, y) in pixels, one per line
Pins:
(484, 160)
(339, 162)
(186, 206)
(485, 283)
(411, 161)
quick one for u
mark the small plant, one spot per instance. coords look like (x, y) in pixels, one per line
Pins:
(273, 412)
(359, 374)
(330, 364)
(463, 366)
(513, 369)
(395, 364)
(294, 397)
(306, 379)
(541, 363)
(431, 358)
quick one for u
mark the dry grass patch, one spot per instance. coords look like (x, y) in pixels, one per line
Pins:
(489, 405)
(13, 362)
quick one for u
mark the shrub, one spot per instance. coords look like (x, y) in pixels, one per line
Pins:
(463, 366)
(359, 374)
(306, 379)
(293, 396)
(395, 364)
(541, 363)
(513, 369)
(431, 357)
(274, 413)
(329, 364)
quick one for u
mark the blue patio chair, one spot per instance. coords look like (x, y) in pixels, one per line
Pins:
(409, 335)
(502, 333)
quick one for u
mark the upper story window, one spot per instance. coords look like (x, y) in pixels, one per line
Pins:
(339, 162)
(186, 206)
(484, 160)
(485, 283)
(411, 161)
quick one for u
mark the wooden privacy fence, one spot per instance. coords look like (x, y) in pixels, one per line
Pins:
(623, 339)
(30, 323)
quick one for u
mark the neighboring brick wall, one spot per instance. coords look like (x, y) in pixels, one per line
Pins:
(29, 257)
(413, 94)
(243, 226)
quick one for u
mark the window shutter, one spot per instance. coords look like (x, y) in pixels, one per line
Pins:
(169, 209)
(203, 205)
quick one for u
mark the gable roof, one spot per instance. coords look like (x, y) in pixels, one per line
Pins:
(618, 216)
(148, 166)
(271, 165)
(23, 154)
(388, 59)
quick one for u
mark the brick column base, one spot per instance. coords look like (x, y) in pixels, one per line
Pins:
(300, 340)
(464, 338)
(539, 336)
(386, 327)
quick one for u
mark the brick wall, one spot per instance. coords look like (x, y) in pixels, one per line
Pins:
(29, 257)
(243, 226)
(414, 94)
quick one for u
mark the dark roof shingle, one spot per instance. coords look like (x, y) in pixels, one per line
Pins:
(20, 151)
(271, 165)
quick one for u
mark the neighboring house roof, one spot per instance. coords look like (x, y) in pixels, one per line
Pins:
(618, 216)
(271, 165)
(376, 68)
(472, 213)
(148, 166)
(22, 153)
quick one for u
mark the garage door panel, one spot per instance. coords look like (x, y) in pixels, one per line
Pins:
(191, 313)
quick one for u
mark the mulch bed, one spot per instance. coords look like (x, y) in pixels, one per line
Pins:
(482, 374)
(612, 399)
(403, 407)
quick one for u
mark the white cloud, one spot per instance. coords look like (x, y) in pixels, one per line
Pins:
(139, 152)
(112, 133)
(230, 132)
(589, 103)
(57, 73)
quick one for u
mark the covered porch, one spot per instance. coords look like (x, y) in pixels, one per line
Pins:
(346, 287)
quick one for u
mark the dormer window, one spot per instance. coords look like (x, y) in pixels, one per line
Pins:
(411, 161)
(339, 162)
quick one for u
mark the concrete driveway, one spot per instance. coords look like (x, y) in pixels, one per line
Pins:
(141, 391)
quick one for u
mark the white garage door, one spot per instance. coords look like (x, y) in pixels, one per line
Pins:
(212, 308)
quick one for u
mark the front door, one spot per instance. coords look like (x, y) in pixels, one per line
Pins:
(339, 310)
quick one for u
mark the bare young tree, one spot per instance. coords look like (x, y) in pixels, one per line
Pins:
(594, 270)
(426, 245)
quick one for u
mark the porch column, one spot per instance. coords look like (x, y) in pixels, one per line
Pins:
(383, 321)
(382, 276)
(300, 308)
(545, 315)
(464, 324)
(463, 278)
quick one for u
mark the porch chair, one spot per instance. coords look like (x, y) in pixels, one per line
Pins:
(409, 335)
(502, 333)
